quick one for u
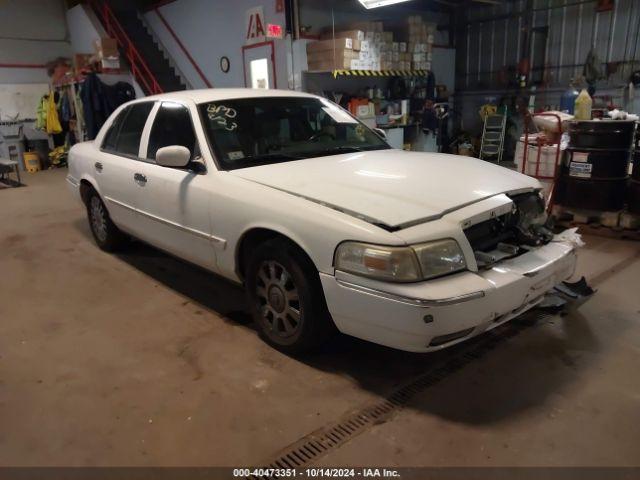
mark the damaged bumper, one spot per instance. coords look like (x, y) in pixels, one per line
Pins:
(436, 314)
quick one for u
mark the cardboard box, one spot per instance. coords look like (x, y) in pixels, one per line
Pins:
(338, 54)
(81, 60)
(325, 45)
(110, 63)
(324, 65)
(353, 34)
(106, 47)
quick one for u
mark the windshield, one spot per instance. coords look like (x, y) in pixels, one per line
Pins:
(258, 131)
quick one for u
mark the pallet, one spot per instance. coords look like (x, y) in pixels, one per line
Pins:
(621, 224)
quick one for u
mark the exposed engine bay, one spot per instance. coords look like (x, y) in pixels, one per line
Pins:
(511, 234)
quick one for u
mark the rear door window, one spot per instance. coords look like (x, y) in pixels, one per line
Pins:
(111, 136)
(128, 141)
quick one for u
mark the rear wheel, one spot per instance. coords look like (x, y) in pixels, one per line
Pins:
(108, 237)
(286, 297)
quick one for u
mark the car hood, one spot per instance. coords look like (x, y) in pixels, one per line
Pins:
(392, 188)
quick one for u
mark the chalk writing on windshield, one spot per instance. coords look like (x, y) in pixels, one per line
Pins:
(222, 116)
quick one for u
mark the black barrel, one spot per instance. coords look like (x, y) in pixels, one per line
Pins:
(635, 173)
(633, 196)
(603, 134)
(595, 170)
(633, 190)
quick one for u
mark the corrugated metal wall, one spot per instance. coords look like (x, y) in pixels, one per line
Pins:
(491, 39)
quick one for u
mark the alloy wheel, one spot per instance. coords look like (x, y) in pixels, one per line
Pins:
(278, 301)
(98, 218)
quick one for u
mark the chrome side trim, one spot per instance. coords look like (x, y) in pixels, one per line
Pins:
(182, 228)
(192, 231)
(72, 181)
(416, 302)
(119, 203)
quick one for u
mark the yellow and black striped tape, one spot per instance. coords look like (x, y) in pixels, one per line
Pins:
(379, 73)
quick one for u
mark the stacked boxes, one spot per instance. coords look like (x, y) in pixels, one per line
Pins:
(107, 52)
(367, 46)
(420, 42)
(333, 54)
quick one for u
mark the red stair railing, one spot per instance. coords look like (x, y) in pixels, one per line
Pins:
(139, 67)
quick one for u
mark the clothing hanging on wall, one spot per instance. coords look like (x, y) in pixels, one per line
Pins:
(100, 100)
(53, 121)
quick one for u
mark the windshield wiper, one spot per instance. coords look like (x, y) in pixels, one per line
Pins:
(275, 156)
(345, 149)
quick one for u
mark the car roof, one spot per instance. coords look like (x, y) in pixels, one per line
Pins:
(217, 94)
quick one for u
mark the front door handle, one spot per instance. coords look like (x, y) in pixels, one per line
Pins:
(98, 166)
(139, 178)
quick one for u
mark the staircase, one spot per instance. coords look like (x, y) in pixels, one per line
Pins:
(147, 62)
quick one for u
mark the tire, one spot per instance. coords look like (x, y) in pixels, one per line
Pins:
(286, 298)
(108, 237)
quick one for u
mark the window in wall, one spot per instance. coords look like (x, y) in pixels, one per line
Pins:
(259, 70)
(539, 37)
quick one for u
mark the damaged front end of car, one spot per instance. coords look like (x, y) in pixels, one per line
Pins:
(526, 227)
(513, 233)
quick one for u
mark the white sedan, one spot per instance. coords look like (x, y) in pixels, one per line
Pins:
(323, 223)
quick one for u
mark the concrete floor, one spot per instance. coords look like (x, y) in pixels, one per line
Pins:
(140, 359)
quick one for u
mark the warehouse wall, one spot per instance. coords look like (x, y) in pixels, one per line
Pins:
(490, 39)
(33, 33)
(208, 33)
(317, 15)
(84, 29)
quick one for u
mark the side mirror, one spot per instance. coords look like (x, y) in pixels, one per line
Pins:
(173, 156)
(381, 133)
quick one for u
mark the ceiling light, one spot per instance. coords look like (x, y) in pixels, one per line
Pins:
(379, 3)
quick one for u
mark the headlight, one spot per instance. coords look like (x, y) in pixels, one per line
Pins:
(400, 264)
(439, 258)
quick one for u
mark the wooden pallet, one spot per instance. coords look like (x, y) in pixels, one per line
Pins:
(621, 224)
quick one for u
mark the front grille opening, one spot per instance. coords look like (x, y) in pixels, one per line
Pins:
(494, 240)
(485, 236)
(510, 234)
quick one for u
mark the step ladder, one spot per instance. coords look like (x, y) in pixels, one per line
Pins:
(492, 145)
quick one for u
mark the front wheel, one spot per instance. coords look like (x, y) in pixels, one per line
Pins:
(108, 237)
(286, 298)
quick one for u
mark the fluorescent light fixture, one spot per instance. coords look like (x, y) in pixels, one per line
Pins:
(379, 3)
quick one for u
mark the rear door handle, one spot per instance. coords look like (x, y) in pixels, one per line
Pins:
(139, 178)
(98, 166)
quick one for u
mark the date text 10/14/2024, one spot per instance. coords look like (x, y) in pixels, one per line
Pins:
(318, 472)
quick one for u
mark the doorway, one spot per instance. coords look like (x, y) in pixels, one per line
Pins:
(259, 65)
